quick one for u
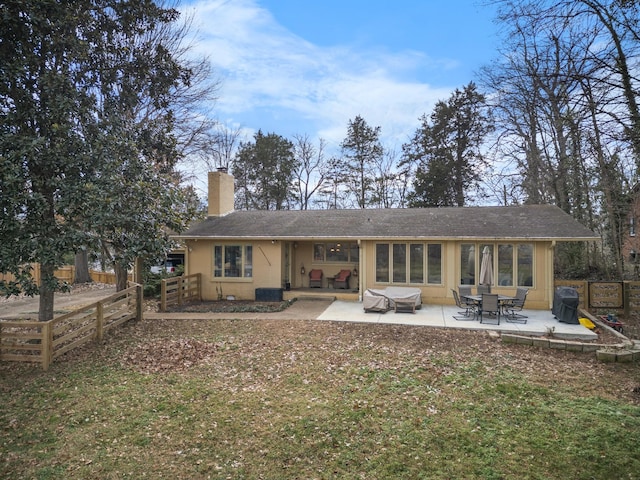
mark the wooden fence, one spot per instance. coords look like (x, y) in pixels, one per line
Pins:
(43, 342)
(621, 297)
(67, 274)
(177, 290)
(106, 277)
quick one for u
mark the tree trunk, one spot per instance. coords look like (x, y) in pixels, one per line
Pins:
(121, 277)
(138, 271)
(45, 311)
(82, 268)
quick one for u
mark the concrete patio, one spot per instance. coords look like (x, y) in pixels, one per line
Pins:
(539, 322)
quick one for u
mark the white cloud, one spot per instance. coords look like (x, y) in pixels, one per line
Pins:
(274, 80)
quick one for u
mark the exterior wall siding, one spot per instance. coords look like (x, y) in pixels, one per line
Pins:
(271, 271)
(540, 294)
(266, 269)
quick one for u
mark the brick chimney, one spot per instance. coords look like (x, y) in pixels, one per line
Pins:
(221, 193)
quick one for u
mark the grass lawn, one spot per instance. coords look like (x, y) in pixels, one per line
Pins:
(308, 399)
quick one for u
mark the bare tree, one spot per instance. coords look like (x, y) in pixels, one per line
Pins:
(312, 171)
(565, 98)
(387, 184)
(333, 193)
(221, 147)
(192, 101)
(620, 22)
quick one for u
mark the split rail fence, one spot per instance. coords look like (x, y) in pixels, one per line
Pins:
(43, 342)
(178, 290)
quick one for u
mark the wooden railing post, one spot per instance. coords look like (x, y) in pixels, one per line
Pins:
(179, 286)
(625, 298)
(46, 344)
(99, 320)
(139, 302)
(163, 295)
(199, 280)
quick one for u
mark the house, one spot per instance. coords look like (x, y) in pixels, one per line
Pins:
(631, 239)
(434, 249)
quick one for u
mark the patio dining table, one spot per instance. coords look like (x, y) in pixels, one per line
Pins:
(477, 300)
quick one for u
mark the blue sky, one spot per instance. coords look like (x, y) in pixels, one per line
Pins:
(309, 66)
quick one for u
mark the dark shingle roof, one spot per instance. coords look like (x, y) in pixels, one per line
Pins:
(543, 222)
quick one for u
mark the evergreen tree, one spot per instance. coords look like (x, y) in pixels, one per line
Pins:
(84, 111)
(264, 171)
(361, 152)
(446, 150)
(43, 155)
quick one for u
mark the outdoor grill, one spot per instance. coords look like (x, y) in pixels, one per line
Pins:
(565, 304)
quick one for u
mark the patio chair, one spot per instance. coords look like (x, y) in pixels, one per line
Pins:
(490, 307)
(468, 308)
(464, 293)
(315, 278)
(511, 309)
(465, 290)
(484, 289)
(341, 280)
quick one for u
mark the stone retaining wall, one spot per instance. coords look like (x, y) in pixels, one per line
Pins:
(620, 352)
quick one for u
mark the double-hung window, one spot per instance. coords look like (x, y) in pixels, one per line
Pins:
(233, 261)
(409, 263)
(513, 263)
(336, 252)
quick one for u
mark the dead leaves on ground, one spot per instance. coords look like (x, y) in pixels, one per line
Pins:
(254, 353)
(169, 355)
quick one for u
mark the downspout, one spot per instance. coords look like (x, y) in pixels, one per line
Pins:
(551, 274)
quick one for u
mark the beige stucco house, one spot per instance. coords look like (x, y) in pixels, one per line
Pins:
(434, 249)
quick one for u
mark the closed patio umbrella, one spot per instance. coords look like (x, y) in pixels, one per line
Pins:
(486, 268)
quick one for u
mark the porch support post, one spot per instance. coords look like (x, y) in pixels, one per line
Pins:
(551, 275)
(361, 271)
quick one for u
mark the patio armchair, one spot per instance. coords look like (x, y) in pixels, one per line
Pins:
(465, 292)
(490, 307)
(484, 289)
(341, 280)
(315, 278)
(468, 308)
(511, 309)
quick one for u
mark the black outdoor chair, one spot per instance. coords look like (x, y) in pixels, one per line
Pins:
(511, 309)
(490, 307)
(469, 309)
